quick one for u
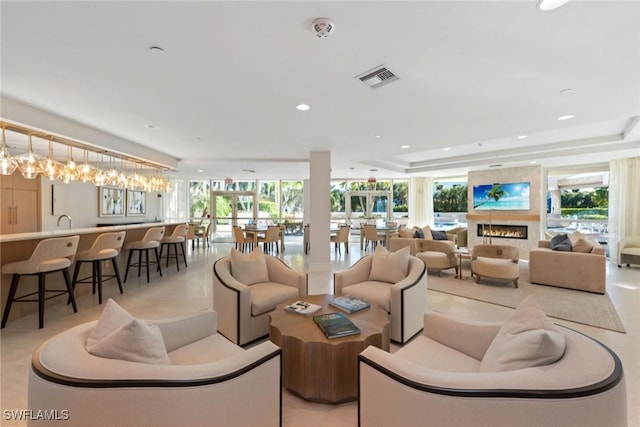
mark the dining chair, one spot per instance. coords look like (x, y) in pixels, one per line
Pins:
(272, 235)
(371, 236)
(342, 236)
(243, 241)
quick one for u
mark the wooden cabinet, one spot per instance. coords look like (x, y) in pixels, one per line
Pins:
(20, 201)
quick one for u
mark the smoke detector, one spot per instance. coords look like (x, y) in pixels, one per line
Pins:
(323, 27)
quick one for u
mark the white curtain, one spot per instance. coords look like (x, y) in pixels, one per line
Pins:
(624, 205)
(420, 201)
(175, 202)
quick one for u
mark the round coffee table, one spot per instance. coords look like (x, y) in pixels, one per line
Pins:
(317, 368)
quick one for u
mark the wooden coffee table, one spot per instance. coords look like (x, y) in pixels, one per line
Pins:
(317, 368)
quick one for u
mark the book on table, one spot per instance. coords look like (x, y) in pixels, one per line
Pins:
(335, 325)
(303, 307)
(349, 303)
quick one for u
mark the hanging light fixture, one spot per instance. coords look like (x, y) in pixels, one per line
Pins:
(8, 164)
(99, 177)
(86, 171)
(49, 167)
(29, 163)
(71, 170)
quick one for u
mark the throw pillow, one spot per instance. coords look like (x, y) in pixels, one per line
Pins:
(419, 234)
(561, 242)
(583, 245)
(528, 338)
(426, 230)
(390, 267)
(113, 317)
(249, 268)
(438, 235)
(575, 236)
(136, 341)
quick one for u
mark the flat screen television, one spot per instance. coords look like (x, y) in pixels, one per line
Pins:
(513, 196)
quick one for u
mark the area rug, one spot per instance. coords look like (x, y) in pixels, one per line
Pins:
(576, 306)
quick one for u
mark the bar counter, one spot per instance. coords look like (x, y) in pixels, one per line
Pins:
(16, 247)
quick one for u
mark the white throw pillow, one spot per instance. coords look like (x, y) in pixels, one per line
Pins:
(583, 246)
(113, 317)
(249, 268)
(137, 341)
(527, 339)
(390, 267)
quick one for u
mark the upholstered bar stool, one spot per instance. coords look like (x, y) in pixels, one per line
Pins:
(151, 240)
(106, 247)
(49, 256)
(176, 239)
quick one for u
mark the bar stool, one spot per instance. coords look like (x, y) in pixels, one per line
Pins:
(151, 240)
(106, 247)
(177, 238)
(50, 256)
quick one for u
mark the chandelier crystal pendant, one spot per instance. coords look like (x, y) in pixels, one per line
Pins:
(29, 163)
(8, 164)
(71, 169)
(49, 167)
(86, 171)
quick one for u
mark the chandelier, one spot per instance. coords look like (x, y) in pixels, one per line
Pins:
(118, 170)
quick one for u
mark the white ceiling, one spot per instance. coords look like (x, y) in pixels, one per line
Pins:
(473, 76)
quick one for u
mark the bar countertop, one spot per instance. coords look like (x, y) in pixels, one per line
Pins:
(4, 238)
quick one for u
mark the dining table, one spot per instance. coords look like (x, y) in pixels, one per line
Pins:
(261, 230)
(387, 230)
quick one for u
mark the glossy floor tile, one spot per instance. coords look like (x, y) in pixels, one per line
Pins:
(190, 290)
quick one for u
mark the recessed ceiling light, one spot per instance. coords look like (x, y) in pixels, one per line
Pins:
(151, 127)
(522, 136)
(156, 49)
(405, 146)
(248, 170)
(532, 162)
(302, 107)
(566, 90)
(567, 117)
(446, 149)
(377, 136)
(200, 170)
(547, 5)
(373, 170)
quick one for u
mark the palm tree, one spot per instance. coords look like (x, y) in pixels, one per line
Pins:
(496, 193)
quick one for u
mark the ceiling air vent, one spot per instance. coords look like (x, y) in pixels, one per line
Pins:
(377, 77)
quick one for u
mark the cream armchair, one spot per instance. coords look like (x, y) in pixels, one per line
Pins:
(210, 381)
(244, 309)
(435, 380)
(495, 262)
(438, 254)
(404, 300)
(629, 251)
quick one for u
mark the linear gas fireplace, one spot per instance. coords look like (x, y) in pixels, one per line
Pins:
(503, 231)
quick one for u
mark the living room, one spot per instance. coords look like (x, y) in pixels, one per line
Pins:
(491, 92)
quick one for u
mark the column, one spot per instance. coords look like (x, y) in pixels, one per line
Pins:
(320, 219)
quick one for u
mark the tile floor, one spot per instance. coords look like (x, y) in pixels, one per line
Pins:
(190, 289)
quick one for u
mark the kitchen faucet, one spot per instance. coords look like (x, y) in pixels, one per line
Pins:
(68, 219)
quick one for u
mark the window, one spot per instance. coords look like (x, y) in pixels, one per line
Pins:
(200, 198)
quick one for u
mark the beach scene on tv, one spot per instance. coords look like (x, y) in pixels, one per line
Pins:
(510, 196)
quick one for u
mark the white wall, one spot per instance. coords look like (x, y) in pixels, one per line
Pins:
(80, 201)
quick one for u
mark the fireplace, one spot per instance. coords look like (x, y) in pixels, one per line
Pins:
(503, 231)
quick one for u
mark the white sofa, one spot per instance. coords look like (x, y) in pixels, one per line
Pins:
(210, 381)
(435, 380)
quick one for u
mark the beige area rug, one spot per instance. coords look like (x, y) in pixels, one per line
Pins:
(576, 306)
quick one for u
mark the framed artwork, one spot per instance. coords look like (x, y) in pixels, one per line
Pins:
(136, 203)
(111, 201)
